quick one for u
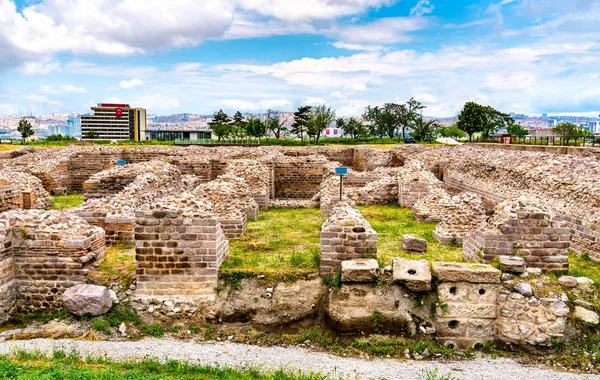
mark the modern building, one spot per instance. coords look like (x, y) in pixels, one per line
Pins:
(111, 121)
(165, 135)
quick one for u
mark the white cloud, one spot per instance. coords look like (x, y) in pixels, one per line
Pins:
(509, 82)
(312, 101)
(424, 7)
(48, 90)
(426, 98)
(70, 88)
(294, 10)
(135, 82)
(348, 46)
(44, 99)
(157, 102)
(235, 104)
(44, 66)
(388, 30)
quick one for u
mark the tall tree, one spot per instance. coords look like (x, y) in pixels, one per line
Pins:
(256, 128)
(452, 131)
(276, 121)
(301, 118)
(494, 120)
(411, 114)
(471, 119)
(25, 129)
(352, 127)
(566, 132)
(220, 125)
(321, 117)
(238, 125)
(516, 130)
(424, 130)
(384, 120)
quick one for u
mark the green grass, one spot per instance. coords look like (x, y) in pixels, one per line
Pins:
(63, 202)
(117, 267)
(281, 240)
(391, 222)
(63, 365)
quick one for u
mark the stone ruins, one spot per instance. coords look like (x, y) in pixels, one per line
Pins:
(180, 207)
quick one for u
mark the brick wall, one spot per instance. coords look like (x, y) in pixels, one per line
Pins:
(345, 235)
(298, 178)
(178, 254)
(8, 292)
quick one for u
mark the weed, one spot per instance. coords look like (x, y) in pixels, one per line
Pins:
(335, 281)
(100, 324)
(152, 330)
(122, 313)
(377, 319)
(434, 374)
(63, 202)
(234, 279)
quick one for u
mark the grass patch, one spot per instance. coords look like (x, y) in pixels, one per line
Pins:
(391, 222)
(62, 365)
(117, 267)
(582, 266)
(280, 240)
(63, 202)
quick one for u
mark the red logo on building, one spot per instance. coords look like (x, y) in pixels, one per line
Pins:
(118, 113)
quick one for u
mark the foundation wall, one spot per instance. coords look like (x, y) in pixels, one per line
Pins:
(178, 256)
(8, 292)
(297, 179)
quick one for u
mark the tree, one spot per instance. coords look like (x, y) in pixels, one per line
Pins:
(565, 131)
(471, 119)
(275, 122)
(352, 127)
(424, 130)
(452, 131)
(494, 120)
(238, 125)
(321, 117)
(384, 120)
(410, 114)
(256, 128)
(25, 129)
(220, 125)
(516, 130)
(301, 118)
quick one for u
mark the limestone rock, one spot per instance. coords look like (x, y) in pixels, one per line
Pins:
(584, 304)
(85, 299)
(512, 264)
(524, 289)
(414, 274)
(413, 244)
(568, 281)
(585, 283)
(57, 330)
(359, 270)
(466, 272)
(586, 315)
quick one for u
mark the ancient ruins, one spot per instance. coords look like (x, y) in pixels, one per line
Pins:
(181, 207)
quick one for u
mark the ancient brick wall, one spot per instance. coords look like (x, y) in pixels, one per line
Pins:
(45, 252)
(432, 207)
(345, 235)
(299, 177)
(10, 198)
(414, 182)
(257, 175)
(464, 214)
(179, 248)
(521, 227)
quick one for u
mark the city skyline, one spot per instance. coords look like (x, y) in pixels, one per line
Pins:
(522, 56)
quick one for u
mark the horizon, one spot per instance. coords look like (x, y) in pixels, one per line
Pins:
(524, 56)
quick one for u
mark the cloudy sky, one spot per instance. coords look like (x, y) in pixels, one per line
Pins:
(526, 56)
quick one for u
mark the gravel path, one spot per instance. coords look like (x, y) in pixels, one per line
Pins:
(239, 355)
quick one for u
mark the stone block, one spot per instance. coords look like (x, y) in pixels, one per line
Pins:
(466, 272)
(512, 264)
(413, 244)
(359, 270)
(415, 274)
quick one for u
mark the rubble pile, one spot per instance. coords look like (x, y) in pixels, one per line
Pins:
(432, 207)
(464, 214)
(22, 183)
(414, 182)
(257, 175)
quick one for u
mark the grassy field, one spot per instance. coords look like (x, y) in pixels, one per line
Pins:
(63, 202)
(391, 222)
(70, 365)
(281, 240)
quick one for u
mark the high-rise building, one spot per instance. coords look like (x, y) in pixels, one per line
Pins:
(111, 121)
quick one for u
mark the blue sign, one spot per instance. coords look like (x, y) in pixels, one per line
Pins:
(121, 162)
(341, 171)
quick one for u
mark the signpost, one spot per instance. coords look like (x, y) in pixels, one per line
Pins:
(121, 162)
(342, 171)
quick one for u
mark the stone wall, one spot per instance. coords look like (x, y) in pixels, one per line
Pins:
(345, 235)
(532, 320)
(432, 207)
(43, 253)
(467, 308)
(298, 177)
(258, 176)
(521, 227)
(414, 182)
(588, 151)
(179, 247)
(22, 191)
(465, 214)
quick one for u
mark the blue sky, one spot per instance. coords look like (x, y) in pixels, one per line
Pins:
(527, 56)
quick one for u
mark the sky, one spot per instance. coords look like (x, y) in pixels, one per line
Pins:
(523, 56)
